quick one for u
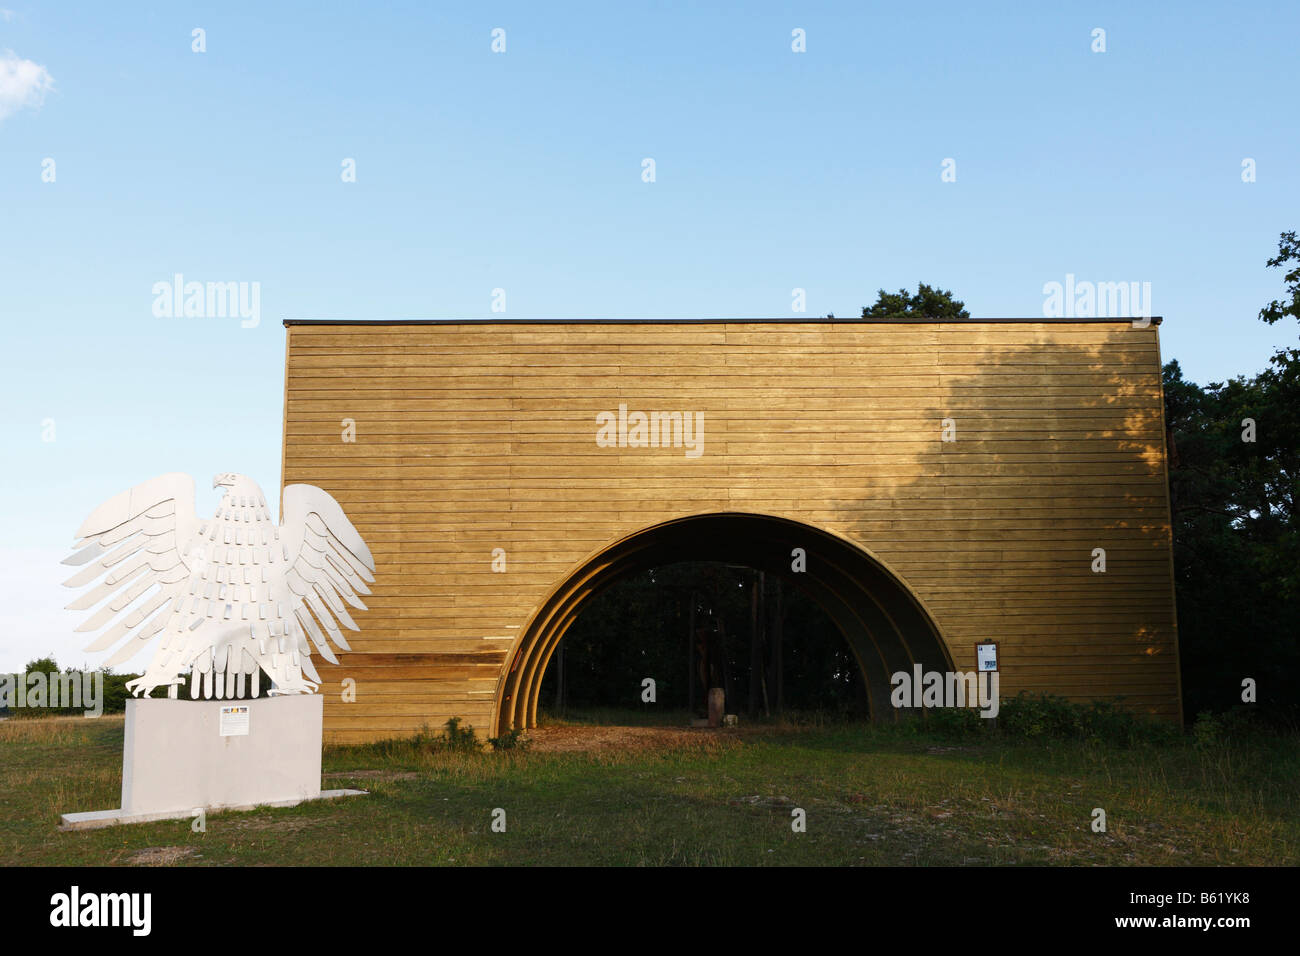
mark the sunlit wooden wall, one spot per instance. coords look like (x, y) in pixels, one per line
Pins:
(471, 437)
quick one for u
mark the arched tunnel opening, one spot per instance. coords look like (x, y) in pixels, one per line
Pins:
(648, 648)
(883, 624)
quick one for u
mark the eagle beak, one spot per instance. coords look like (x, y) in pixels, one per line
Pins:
(216, 481)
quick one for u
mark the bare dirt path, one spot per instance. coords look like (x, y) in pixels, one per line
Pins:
(598, 738)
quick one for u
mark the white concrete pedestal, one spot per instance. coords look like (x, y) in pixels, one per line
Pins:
(175, 758)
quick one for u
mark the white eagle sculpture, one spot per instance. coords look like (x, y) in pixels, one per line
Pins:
(227, 595)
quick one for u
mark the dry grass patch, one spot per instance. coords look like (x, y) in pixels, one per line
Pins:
(161, 856)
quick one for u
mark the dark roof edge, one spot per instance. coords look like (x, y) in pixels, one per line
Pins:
(1154, 320)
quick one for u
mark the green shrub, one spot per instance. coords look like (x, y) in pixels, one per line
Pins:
(954, 721)
(1038, 715)
(460, 739)
(1243, 721)
(1208, 730)
(1035, 716)
(512, 739)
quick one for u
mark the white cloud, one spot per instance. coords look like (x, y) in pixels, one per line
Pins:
(23, 84)
(7, 15)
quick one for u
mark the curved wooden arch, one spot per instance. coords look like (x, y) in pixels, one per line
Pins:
(886, 625)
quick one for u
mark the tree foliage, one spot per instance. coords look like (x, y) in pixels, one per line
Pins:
(1234, 477)
(1288, 251)
(927, 302)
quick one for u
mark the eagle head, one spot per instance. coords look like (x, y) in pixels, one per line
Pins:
(237, 485)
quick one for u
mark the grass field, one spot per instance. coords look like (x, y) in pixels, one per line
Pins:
(647, 795)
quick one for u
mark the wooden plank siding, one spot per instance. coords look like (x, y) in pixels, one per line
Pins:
(475, 436)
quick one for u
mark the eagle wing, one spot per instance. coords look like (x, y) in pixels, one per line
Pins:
(138, 541)
(329, 564)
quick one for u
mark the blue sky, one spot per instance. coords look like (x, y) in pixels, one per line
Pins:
(522, 170)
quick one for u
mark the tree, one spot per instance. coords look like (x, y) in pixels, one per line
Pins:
(927, 303)
(1234, 476)
(1273, 400)
(1288, 250)
(1235, 540)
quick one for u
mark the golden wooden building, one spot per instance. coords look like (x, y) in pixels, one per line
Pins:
(498, 474)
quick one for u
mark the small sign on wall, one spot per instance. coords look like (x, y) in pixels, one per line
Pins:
(234, 720)
(986, 657)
